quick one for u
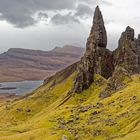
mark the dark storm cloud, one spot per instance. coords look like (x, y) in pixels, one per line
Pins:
(20, 12)
(81, 10)
(19, 21)
(64, 19)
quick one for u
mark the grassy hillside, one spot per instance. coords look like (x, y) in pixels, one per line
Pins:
(50, 113)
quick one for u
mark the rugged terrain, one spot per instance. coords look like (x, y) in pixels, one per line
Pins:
(97, 98)
(23, 64)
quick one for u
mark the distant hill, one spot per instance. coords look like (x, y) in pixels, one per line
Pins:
(23, 64)
(69, 49)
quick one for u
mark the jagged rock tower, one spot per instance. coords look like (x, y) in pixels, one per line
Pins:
(123, 62)
(126, 62)
(97, 59)
(127, 55)
(117, 66)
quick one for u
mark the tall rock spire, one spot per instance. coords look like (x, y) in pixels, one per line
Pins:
(97, 58)
(98, 35)
(98, 29)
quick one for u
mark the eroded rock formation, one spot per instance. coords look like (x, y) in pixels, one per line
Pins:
(119, 80)
(97, 58)
(118, 65)
(127, 55)
(138, 41)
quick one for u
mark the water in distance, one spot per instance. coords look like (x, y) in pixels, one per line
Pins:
(19, 88)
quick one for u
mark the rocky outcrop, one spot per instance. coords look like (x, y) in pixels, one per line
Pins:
(116, 66)
(126, 62)
(127, 55)
(119, 79)
(97, 58)
(98, 31)
(138, 41)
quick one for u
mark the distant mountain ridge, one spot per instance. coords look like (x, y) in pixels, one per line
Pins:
(24, 64)
(68, 49)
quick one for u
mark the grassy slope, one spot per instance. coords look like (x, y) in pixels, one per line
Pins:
(82, 116)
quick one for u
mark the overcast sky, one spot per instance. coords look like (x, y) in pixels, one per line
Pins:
(44, 24)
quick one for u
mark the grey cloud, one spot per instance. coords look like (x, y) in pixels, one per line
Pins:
(19, 22)
(64, 19)
(20, 12)
(42, 16)
(83, 10)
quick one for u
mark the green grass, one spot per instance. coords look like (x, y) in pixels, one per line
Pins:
(83, 116)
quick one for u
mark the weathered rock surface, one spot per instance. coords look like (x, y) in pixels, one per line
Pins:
(119, 79)
(126, 62)
(127, 55)
(138, 41)
(97, 58)
(98, 31)
(116, 66)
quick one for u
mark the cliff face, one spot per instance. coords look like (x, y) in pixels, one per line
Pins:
(124, 61)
